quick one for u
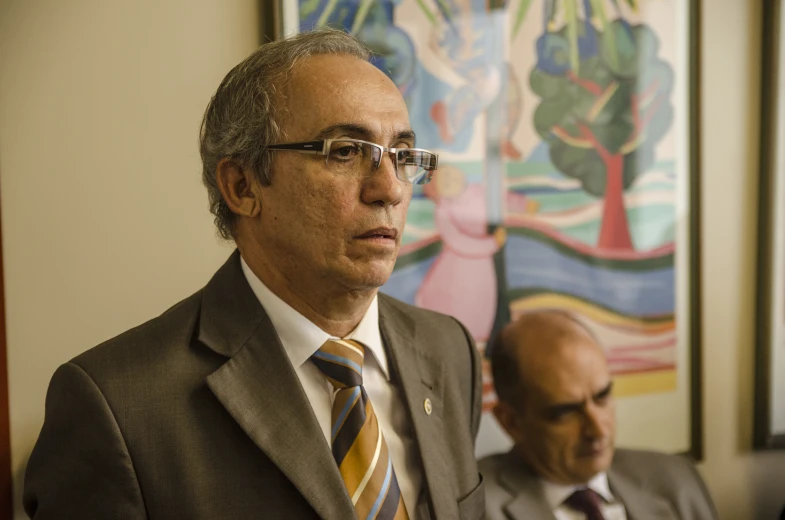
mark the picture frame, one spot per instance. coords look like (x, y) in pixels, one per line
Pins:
(603, 227)
(6, 472)
(769, 422)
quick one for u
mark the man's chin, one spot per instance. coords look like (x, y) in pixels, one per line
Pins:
(596, 464)
(371, 277)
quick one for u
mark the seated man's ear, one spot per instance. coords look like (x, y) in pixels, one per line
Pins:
(507, 417)
(239, 188)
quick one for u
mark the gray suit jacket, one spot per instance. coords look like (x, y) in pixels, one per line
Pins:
(652, 486)
(198, 414)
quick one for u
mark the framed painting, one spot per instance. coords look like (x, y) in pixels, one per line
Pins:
(769, 431)
(568, 179)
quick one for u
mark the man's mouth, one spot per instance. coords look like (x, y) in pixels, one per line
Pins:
(380, 233)
(593, 451)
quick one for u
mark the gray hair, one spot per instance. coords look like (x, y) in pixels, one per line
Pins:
(240, 121)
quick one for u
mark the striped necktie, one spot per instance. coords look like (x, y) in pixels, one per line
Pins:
(357, 441)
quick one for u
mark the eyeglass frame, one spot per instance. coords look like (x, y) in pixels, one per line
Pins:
(312, 147)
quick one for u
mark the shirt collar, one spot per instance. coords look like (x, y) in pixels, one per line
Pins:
(301, 338)
(367, 333)
(556, 494)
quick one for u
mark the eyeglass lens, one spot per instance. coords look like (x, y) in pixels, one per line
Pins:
(353, 158)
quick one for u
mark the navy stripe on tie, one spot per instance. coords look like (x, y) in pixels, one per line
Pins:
(350, 429)
(390, 505)
(344, 375)
(388, 478)
(338, 360)
(354, 395)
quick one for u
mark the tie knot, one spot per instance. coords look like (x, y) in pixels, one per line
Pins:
(341, 360)
(586, 501)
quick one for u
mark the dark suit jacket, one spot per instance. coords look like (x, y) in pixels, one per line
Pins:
(652, 486)
(198, 414)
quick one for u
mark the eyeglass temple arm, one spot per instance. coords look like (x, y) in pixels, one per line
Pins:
(309, 147)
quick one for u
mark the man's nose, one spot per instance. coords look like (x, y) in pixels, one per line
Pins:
(382, 186)
(595, 424)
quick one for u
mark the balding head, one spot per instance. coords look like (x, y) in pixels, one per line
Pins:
(554, 391)
(533, 342)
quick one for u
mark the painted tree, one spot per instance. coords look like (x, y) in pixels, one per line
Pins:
(605, 103)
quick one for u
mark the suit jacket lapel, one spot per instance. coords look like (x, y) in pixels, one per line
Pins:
(420, 377)
(639, 503)
(528, 501)
(526, 506)
(262, 392)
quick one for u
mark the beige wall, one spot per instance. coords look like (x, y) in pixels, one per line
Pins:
(745, 485)
(105, 222)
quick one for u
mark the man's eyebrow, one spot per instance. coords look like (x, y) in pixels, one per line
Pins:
(605, 392)
(361, 132)
(344, 129)
(563, 408)
(406, 135)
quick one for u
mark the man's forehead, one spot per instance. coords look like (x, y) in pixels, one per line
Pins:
(559, 387)
(570, 368)
(567, 389)
(327, 91)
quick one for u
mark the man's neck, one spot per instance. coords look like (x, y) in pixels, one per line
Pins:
(335, 309)
(521, 455)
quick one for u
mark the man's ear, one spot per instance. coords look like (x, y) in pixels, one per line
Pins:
(239, 188)
(507, 417)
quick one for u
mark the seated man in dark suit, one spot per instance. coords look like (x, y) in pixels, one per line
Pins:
(287, 388)
(556, 402)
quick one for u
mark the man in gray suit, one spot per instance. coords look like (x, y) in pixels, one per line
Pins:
(287, 387)
(555, 400)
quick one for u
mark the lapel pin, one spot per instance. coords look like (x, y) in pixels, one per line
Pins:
(427, 406)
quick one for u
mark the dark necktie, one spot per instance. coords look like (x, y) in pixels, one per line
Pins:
(358, 445)
(587, 502)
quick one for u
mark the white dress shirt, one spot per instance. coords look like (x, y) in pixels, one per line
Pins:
(301, 339)
(556, 494)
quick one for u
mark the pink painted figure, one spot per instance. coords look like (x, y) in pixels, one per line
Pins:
(462, 280)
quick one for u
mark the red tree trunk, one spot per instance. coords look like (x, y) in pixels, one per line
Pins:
(615, 231)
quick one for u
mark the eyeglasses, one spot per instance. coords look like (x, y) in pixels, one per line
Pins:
(354, 157)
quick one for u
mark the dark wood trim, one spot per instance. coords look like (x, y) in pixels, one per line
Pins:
(272, 19)
(763, 437)
(695, 305)
(6, 478)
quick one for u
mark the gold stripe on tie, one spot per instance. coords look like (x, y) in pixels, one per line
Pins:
(358, 445)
